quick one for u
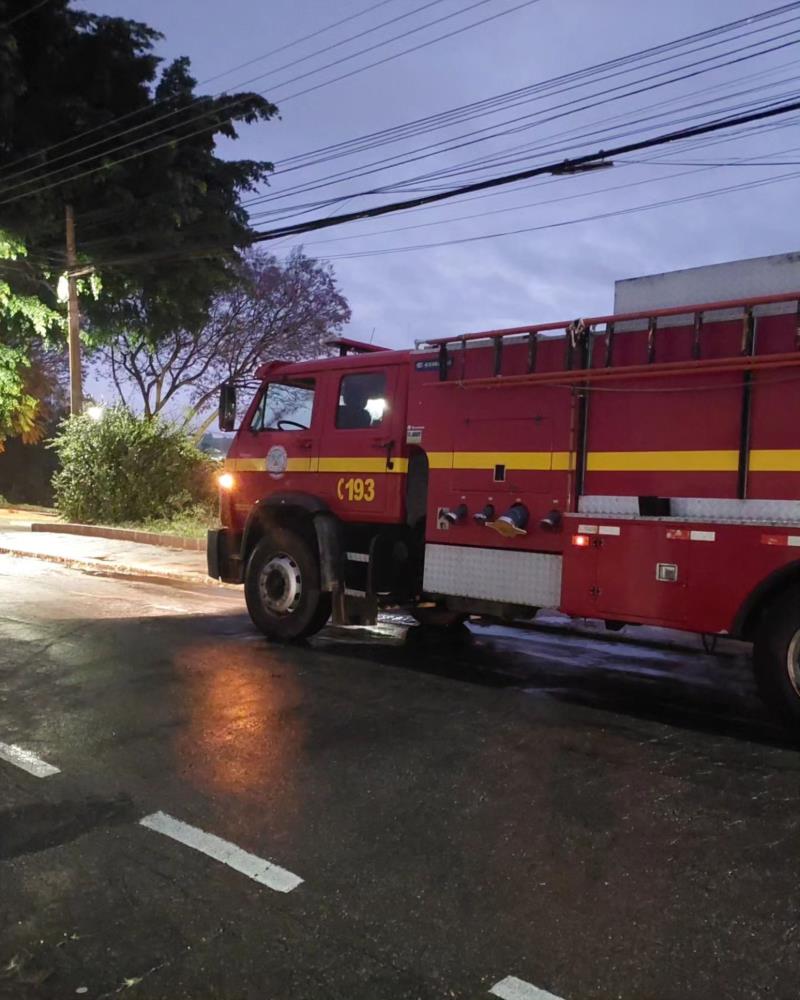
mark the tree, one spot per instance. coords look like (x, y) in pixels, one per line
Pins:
(28, 371)
(71, 83)
(125, 468)
(32, 392)
(278, 309)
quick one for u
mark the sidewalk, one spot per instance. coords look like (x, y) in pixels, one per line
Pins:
(100, 555)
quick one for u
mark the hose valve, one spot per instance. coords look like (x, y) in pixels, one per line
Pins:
(454, 516)
(482, 516)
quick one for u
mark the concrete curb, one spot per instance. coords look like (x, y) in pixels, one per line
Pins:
(116, 569)
(28, 508)
(121, 535)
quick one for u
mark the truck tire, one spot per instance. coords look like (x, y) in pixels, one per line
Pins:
(282, 587)
(776, 657)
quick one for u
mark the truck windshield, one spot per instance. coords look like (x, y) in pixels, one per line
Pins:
(285, 406)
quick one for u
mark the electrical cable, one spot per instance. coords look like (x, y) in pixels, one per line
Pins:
(564, 167)
(241, 101)
(360, 69)
(136, 111)
(779, 10)
(470, 138)
(557, 82)
(432, 123)
(24, 13)
(602, 216)
(701, 168)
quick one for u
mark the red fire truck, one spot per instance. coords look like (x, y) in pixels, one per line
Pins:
(637, 468)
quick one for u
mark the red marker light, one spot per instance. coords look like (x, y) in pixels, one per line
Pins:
(580, 540)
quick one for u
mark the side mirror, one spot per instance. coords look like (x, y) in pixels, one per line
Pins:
(227, 406)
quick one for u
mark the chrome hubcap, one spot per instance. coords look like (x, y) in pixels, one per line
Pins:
(793, 662)
(280, 584)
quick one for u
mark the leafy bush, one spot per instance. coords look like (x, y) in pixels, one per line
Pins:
(125, 468)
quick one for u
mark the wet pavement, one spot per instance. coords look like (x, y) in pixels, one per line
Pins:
(599, 819)
(104, 556)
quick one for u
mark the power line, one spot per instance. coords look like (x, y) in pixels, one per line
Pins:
(548, 148)
(606, 96)
(700, 168)
(297, 41)
(239, 102)
(541, 150)
(325, 83)
(593, 70)
(562, 168)
(507, 99)
(25, 13)
(288, 210)
(136, 111)
(601, 216)
(93, 245)
(572, 165)
(608, 133)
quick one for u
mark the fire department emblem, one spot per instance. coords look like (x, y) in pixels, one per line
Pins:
(277, 460)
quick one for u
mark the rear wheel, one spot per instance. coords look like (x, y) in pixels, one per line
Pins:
(776, 657)
(282, 587)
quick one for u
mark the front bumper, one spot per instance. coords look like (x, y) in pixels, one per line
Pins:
(223, 556)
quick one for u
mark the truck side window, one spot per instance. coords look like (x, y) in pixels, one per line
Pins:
(362, 400)
(285, 406)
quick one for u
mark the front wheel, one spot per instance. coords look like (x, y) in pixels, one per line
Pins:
(776, 657)
(282, 587)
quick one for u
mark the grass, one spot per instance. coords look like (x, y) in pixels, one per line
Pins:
(192, 523)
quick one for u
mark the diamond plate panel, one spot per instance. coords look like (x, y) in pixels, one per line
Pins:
(747, 511)
(608, 506)
(699, 509)
(493, 575)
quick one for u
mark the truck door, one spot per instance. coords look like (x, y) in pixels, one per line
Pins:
(280, 442)
(362, 461)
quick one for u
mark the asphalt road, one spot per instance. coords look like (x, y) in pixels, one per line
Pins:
(597, 820)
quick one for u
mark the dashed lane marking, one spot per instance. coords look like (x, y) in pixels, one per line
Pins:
(512, 988)
(264, 872)
(27, 761)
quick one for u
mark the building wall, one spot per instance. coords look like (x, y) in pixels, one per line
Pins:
(735, 279)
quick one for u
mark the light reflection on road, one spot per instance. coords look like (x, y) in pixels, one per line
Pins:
(243, 732)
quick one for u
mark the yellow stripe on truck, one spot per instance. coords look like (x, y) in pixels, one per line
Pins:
(761, 460)
(662, 461)
(518, 461)
(314, 464)
(775, 460)
(377, 464)
(246, 464)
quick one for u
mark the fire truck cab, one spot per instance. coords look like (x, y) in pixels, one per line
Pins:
(639, 468)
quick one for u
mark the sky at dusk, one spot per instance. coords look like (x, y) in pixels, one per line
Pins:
(559, 268)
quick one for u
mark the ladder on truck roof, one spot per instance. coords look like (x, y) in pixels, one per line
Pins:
(578, 356)
(578, 334)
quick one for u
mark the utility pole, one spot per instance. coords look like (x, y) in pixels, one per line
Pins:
(73, 318)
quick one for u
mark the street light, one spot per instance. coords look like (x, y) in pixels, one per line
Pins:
(95, 412)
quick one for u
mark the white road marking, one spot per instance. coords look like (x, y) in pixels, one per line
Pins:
(264, 872)
(27, 761)
(512, 988)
